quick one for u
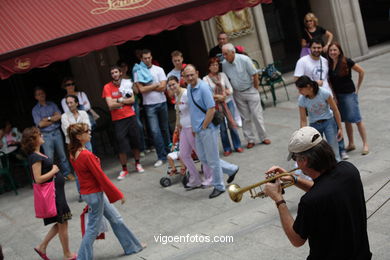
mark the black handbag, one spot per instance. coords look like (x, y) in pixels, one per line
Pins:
(218, 116)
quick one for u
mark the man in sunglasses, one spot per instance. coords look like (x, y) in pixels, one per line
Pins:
(332, 213)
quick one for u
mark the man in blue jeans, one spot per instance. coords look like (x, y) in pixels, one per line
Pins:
(151, 82)
(206, 133)
(47, 117)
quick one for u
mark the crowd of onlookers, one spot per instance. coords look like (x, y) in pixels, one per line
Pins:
(206, 107)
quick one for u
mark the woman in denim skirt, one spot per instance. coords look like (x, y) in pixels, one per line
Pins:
(340, 77)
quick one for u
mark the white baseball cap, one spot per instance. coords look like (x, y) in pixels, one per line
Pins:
(302, 140)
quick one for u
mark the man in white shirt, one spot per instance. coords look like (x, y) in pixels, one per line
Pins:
(155, 104)
(177, 60)
(314, 65)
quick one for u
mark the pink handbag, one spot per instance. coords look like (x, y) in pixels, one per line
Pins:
(45, 200)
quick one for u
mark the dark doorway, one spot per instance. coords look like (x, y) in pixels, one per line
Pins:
(17, 99)
(284, 21)
(187, 39)
(376, 20)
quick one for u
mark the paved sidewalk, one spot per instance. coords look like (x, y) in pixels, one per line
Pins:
(152, 211)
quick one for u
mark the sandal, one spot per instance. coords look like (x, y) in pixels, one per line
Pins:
(350, 148)
(42, 255)
(74, 257)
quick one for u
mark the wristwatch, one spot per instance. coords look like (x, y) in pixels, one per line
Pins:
(278, 203)
(49, 118)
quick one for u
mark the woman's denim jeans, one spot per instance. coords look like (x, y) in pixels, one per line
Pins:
(329, 129)
(99, 206)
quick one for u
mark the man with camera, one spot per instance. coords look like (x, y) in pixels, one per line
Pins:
(332, 213)
(119, 98)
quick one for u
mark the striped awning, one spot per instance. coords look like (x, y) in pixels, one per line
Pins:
(36, 33)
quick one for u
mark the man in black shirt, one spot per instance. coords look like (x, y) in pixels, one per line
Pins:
(332, 213)
(216, 51)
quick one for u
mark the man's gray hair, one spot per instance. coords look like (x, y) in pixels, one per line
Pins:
(229, 47)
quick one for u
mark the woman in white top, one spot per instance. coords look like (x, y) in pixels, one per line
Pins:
(73, 116)
(187, 139)
(222, 89)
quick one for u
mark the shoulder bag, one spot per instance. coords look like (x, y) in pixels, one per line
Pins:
(45, 200)
(218, 116)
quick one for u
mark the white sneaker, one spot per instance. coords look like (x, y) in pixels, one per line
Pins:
(158, 163)
(138, 168)
(122, 175)
(344, 155)
(142, 154)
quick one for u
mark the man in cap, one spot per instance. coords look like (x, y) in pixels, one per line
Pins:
(332, 213)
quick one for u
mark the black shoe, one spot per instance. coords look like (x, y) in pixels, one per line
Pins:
(216, 193)
(231, 177)
(188, 188)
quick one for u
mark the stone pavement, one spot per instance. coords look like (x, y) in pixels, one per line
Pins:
(155, 212)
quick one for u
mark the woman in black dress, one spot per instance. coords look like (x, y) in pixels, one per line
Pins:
(43, 170)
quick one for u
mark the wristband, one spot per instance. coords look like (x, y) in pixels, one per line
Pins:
(278, 203)
(49, 118)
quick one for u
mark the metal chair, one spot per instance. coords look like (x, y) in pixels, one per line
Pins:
(5, 171)
(270, 76)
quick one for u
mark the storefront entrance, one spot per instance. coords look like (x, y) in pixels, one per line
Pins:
(284, 21)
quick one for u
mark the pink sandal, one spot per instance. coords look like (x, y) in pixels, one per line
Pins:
(42, 255)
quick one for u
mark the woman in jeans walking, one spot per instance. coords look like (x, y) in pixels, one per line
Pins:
(323, 113)
(98, 192)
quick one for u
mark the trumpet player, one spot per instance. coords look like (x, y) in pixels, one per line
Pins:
(332, 212)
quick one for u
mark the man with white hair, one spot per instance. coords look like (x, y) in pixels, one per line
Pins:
(245, 82)
(332, 213)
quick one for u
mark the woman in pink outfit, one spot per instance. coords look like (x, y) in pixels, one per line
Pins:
(187, 138)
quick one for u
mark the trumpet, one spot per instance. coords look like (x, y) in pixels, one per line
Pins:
(236, 192)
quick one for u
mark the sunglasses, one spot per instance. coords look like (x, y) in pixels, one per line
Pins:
(307, 21)
(87, 131)
(69, 84)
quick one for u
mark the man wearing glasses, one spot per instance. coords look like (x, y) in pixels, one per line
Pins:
(202, 108)
(332, 213)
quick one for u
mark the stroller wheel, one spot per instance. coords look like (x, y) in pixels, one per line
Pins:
(185, 179)
(165, 182)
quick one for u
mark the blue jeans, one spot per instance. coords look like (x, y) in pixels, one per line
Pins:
(55, 143)
(206, 143)
(233, 133)
(140, 126)
(157, 115)
(98, 206)
(329, 128)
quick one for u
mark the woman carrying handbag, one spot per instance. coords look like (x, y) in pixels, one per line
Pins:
(43, 172)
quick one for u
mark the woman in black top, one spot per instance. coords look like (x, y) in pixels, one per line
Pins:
(43, 170)
(340, 70)
(313, 31)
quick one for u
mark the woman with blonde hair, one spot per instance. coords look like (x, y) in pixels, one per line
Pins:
(313, 31)
(43, 171)
(98, 192)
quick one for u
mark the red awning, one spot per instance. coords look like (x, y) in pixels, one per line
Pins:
(36, 33)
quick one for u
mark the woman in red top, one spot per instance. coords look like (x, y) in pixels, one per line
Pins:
(98, 192)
